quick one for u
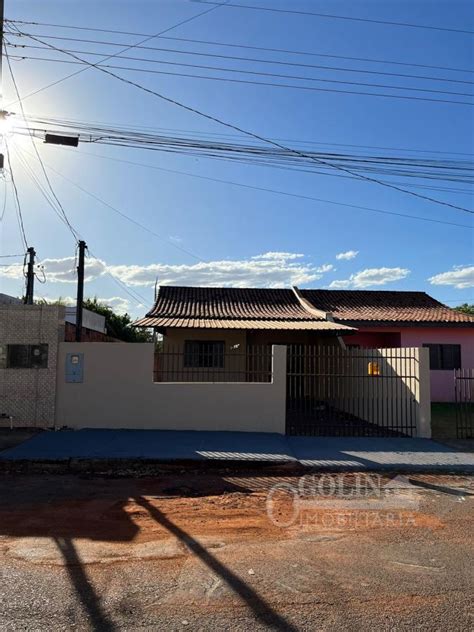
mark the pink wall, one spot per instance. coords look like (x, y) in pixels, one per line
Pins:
(442, 382)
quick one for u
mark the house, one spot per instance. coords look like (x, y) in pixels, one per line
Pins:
(238, 316)
(405, 319)
(204, 322)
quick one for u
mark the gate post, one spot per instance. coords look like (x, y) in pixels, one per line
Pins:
(424, 394)
(279, 381)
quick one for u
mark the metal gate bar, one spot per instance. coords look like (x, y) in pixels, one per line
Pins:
(355, 392)
(464, 396)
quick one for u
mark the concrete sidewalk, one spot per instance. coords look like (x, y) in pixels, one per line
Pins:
(330, 453)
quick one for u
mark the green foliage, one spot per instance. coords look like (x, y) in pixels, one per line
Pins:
(118, 325)
(466, 309)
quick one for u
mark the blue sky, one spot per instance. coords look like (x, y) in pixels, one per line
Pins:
(231, 230)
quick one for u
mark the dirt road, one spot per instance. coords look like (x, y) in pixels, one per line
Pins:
(197, 551)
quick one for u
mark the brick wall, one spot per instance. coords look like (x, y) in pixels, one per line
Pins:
(88, 335)
(29, 394)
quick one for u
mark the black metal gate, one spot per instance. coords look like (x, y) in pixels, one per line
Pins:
(464, 392)
(355, 392)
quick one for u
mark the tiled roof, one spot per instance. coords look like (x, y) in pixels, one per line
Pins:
(236, 303)
(236, 308)
(216, 323)
(381, 306)
(231, 308)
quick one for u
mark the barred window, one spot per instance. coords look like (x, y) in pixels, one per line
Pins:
(24, 356)
(204, 354)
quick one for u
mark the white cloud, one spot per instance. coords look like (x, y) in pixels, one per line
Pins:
(278, 256)
(346, 256)
(459, 277)
(60, 270)
(118, 304)
(271, 269)
(370, 277)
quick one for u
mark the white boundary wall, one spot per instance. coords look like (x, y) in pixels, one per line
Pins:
(118, 392)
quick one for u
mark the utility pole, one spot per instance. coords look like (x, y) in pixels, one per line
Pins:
(80, 290)
(30, 276)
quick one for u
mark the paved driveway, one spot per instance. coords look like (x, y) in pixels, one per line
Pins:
(163, 445)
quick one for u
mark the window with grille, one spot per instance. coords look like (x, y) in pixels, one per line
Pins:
(204, 354)
(24, 356)
(444, 357)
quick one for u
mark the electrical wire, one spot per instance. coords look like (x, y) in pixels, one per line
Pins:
(221, 56)
(138, 298)
(276, 191)
(46, 177)
(231, 45)
(266, 74)
(104, 68)
(420, 168)
(194, 133)
(146, 39)
(339, 17)
(242, 46)
(21, 224)
(49, 200)
(124, 215)
(4, 205)
(267, 141)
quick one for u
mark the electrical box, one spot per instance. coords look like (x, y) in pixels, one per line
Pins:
(75, 367)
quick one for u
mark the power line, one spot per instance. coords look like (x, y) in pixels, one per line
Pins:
(268, 141)
(138, 298)
(116, 280)
(124, 215)
(160, 130)
(11, 256)
(340, 17)
(146, 39)
(242, 46)
(44, 193)
(58, 202)
(270, 74)
(21, 224)
(4, 205)
(103, 67)
(221, 56)
(450, 170)
(278, 192)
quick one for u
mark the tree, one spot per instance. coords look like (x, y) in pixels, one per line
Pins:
(118, 325)
(465, 308)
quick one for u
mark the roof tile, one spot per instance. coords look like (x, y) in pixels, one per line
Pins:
(384, 306)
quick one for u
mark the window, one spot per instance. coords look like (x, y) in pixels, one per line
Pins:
(203, 354)
(24, 356)
(444, 357)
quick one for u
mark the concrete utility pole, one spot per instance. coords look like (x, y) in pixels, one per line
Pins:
(80, 290)
(30, 276)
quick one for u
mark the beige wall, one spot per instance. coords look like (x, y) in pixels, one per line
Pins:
(118, 392)
(28, 395)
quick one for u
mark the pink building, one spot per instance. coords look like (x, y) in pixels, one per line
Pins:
(404, 319)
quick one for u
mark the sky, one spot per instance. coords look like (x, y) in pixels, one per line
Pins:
(209, 232)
